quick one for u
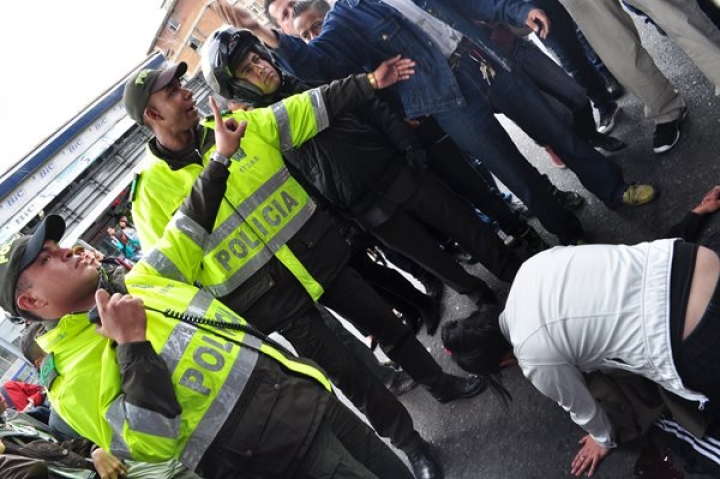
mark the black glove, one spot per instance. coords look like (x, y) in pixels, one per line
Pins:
(417, 157)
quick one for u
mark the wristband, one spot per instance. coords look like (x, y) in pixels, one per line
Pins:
(373, 81)
(222, 159)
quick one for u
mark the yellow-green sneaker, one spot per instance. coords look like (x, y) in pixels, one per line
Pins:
(637, 195)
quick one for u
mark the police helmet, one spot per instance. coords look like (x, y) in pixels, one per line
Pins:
(222, 54)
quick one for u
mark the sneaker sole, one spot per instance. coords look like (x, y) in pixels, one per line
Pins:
(608, 129)
(664, 148)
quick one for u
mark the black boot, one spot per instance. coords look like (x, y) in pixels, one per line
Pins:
(482, 296)
(400, 383)
(452, 387)
(531, 241)
(423, 460)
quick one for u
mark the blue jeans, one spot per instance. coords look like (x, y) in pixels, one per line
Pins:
(555, 83)
(565, 43)
(478, 133)
(516, 95)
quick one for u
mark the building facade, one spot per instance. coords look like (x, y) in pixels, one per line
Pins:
(187, 25)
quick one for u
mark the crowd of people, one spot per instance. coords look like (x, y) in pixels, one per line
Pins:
(124, 240)
(364, 131)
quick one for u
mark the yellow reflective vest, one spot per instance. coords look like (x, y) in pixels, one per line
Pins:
(263, 208)
(209, 367)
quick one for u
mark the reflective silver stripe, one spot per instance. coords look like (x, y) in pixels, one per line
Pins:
(191, 229)
(319, 108)
(283, 123)
(246, 208)
(165, 266)
(200, 303)
(176, 344)
(253, 265)
(150, 422)
(248, 269)
(289, 230)
(223, 404)
(116, 418)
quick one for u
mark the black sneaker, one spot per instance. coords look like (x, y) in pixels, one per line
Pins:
(568, 199)
(607, 120)
(667, 135)
(606, 143)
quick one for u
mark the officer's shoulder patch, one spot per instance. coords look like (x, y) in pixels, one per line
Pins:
(48, 372)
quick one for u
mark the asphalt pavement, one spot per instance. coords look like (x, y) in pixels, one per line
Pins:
(535, 438)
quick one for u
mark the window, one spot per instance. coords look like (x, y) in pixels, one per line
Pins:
(194, 43)
(173, 25)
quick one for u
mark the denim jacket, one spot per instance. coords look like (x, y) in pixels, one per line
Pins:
(359, 34)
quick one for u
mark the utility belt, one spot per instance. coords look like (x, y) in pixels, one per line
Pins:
(467, 48)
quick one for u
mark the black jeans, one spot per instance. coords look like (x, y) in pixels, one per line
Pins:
(346, 448)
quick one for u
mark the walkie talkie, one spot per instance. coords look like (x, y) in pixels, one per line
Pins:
(103, 283)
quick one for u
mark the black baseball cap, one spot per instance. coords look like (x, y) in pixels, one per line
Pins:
(19, 252)
(144, 83)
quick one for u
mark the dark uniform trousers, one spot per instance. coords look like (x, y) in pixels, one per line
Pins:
(433, 204)
(346, 448)
(353, 299)
(449, 164)
(285, 425)
(274, 300)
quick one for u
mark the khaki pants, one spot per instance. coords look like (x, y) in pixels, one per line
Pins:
(612, 33)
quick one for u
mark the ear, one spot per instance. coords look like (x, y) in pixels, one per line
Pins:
(151, 114)
(28, 302)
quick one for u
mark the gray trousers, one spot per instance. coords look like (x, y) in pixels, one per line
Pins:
(612, 33)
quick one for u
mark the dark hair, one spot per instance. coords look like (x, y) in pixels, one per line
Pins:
(301, 7)
(477, 345)
(476, 342)
(28, 345)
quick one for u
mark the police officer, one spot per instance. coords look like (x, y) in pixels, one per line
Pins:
(271, 253)
(151, 387)
(370, 166)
